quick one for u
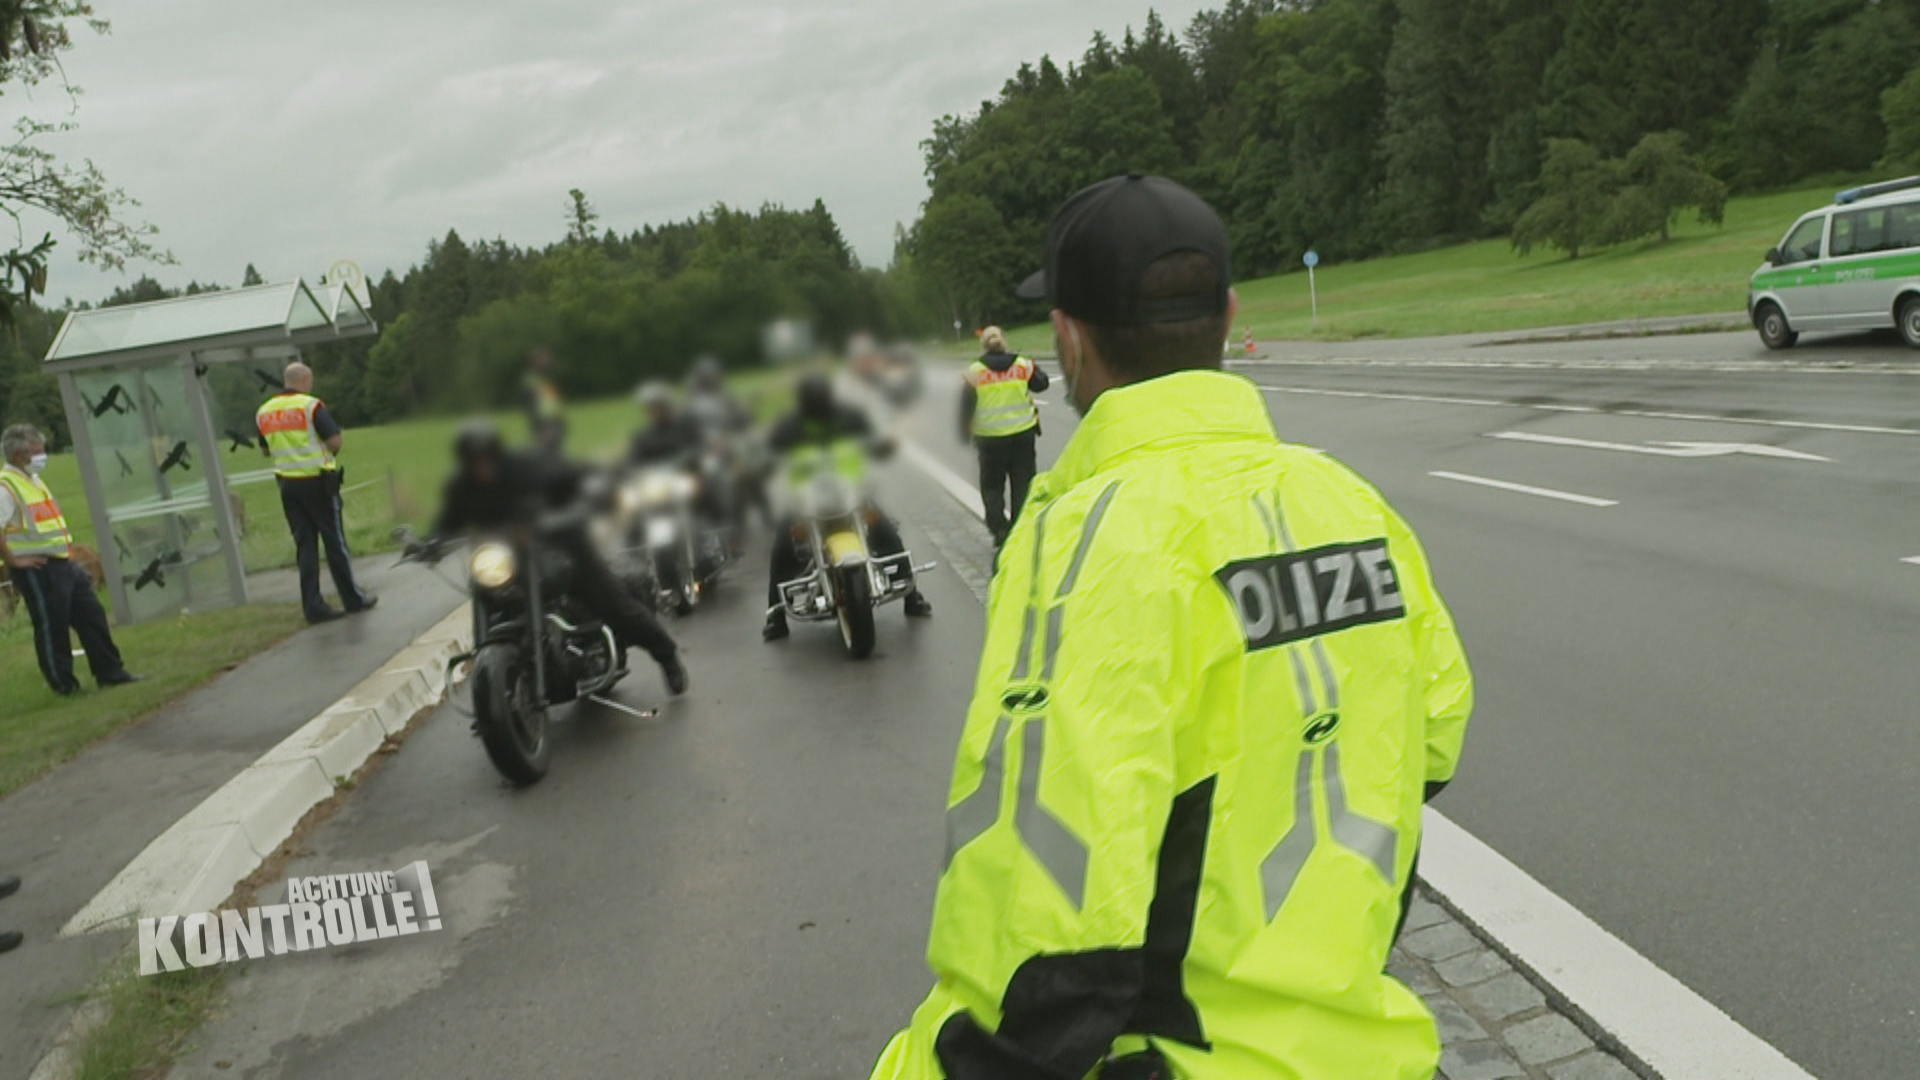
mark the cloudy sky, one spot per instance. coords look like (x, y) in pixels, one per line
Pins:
(291, 135)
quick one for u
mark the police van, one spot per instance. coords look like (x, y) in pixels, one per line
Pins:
(1851, 266)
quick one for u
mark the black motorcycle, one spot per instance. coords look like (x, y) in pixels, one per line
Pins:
(535, 647)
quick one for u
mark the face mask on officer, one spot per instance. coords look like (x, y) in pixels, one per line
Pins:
(1070, 361)
(37, 464)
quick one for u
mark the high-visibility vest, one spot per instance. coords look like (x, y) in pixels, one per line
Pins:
(545, 398)
(1216, 681)
(286, 422)
(1003, 405)
(42, 528)
(844, 457)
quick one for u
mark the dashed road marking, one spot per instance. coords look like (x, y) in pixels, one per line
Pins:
(1525, 489)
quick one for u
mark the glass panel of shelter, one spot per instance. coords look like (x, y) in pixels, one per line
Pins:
(153, 479)
(235, 391)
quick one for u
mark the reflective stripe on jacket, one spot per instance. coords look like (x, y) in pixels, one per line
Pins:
(286, 422)
(1216, 680)
(1005, 406)
(42, 529)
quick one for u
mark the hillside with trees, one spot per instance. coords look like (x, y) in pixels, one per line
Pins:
(615, 309)
(1367, 127)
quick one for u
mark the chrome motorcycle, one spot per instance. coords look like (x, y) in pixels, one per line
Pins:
(843, 580)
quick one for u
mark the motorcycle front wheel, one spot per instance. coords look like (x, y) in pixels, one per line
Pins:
(856, 612)
(508, 713)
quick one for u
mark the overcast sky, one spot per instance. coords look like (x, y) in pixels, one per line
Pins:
(293, 135)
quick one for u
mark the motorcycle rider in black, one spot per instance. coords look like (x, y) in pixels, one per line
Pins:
(820, 421)
(668, 437)
(496, 488)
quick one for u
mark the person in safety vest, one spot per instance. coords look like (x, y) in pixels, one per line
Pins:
(546, 410)
(1217, 688)
(998, 414)
(301, 437)
(37, 547)
(819, 422)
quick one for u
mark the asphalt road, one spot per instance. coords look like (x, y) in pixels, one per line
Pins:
(1696, 724)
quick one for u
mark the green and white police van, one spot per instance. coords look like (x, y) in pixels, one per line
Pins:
(1851, 266)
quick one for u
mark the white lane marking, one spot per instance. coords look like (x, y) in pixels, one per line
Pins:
(1915, 560)
(1655, 1016)
(1660, 449)
(1523, 489)
(964, 493)
(1802, 425)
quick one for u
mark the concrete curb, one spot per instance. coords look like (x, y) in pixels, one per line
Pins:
(195, 865)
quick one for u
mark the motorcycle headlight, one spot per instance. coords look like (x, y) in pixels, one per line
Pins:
(492, 566)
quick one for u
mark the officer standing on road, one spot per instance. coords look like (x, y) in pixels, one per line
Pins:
(303, 439)
(1217, 688)
(998, 414)
(37, 547)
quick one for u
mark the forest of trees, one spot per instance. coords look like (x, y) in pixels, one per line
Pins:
(1357, 127)
(456, 329)
(1363, 127)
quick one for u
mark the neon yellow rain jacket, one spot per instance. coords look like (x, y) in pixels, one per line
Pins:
(1216, 681)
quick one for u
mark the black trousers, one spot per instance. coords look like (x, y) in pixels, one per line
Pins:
(883, 535)
(593, 584)
(61, 602)
(1006, 462)
(313, 513)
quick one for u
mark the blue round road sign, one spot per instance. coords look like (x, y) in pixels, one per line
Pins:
(1312, 259)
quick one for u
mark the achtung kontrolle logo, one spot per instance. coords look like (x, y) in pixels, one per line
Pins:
(320, 912)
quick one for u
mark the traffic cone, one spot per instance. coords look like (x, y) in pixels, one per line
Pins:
(1249, 341)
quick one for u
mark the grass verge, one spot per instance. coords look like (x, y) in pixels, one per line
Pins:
(143, 1022)
(1485, 288)
(39, 729)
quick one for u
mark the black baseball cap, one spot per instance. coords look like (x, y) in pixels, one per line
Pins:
(1103, 240)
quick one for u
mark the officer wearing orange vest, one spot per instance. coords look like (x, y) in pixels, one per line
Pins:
(37, 547)
(302, 438)
(997, 413)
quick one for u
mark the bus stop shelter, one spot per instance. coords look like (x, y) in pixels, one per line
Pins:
(160, 398)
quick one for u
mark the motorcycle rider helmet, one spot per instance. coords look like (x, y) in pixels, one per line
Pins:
(477, 440)
(815, 394)
(654, 395)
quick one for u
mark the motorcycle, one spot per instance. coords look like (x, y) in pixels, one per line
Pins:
(672, 555)
(535, 647)
(843, 580)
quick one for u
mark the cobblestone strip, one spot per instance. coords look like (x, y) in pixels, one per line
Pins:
(1495, 1022)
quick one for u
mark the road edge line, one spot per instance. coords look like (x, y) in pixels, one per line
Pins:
(1660, 1022)
(1652, 1018)
(198, 861)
